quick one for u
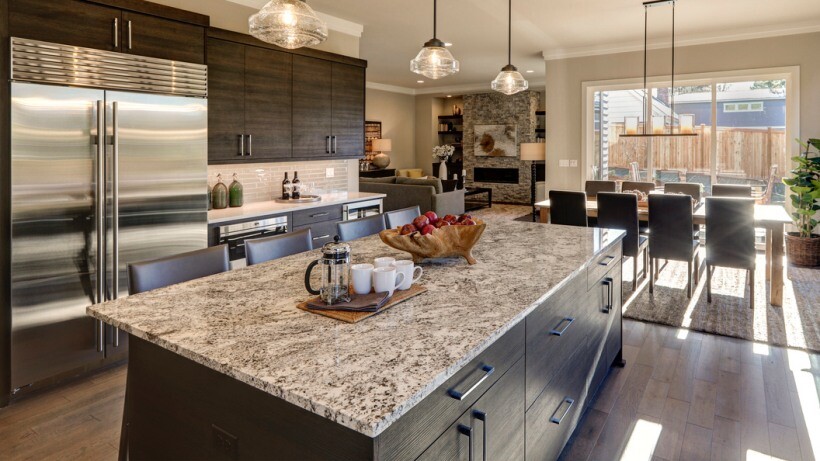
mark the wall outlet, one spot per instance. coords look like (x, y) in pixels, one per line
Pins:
(563, 163)
(329, 172)
(573, 163)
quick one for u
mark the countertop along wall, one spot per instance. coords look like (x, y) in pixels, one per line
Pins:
(564, 79)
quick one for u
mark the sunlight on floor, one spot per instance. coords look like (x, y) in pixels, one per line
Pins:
(642, 442)
(804, 380)
(752, 455)
(760, 349)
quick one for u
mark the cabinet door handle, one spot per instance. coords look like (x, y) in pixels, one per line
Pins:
(335, 144)
(481, 416)
(322, 237)
(128, 29)
(468, 431)
(606, 261)
(327, 144)
(557, 332)
(319, 215)
(566, 400)
(250, 145)
(610, 288)
(487, 369)
(116, 33)
(241, 145)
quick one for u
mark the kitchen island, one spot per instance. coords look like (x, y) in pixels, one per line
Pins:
(226, 367)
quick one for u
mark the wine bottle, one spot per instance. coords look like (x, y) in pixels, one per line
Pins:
(286, 187)
(297, 186)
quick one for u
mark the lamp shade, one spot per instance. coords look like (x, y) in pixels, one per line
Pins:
(533, 151)
(382, 145)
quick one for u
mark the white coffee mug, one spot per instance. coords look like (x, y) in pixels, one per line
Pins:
(362, 275)
(384, 262)
(407, 268)
(386, 280)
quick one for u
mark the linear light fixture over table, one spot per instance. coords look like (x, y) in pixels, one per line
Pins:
(689, 130)
(434, 61)
(509, 81)
(289, 24)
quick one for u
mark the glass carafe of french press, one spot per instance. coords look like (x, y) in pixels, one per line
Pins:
(335, 262)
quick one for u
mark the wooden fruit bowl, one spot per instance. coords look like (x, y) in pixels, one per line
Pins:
(444, 242)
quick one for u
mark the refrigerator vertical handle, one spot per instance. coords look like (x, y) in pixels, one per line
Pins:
(115, 206)
(99, 211)
(116, 33)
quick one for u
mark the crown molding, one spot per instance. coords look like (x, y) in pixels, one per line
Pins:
(638, 46)
(333, 23)
(390, 88)
(469, 88)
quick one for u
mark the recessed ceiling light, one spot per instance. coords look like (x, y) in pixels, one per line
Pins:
(530, 71)
(449, 96)
(419, 81)
(448, 44)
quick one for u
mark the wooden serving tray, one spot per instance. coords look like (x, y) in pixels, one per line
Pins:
(355, 317)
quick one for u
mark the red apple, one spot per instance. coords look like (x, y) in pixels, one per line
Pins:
(428, 229)
(407, 229)
(464, 216)
(441, 223)
(432, 216)
(450, 218)
(420, 222)
(468, 222)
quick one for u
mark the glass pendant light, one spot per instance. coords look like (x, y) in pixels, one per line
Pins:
(509, 80)
(434, 61)
(289, 24)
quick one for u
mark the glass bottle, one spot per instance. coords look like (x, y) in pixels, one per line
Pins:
(220, 194)
(297, 186)
(235, 193)
(286, 187)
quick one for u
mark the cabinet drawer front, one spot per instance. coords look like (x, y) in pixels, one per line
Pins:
(321, 233)
(423, 424)
(313, 215)
(603, 264)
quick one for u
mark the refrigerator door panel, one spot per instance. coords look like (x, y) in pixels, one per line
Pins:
(157, 180)
(54, 255)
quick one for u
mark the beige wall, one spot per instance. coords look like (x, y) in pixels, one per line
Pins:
(428, 108)
(397, 112)
(564, 79)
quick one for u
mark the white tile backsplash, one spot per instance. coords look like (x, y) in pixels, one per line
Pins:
(263, 181)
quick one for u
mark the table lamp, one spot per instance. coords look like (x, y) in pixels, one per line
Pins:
(533, 152)
(382, 160)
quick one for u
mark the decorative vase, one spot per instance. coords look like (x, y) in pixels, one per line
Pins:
(442, 169)
(235, 194)
(381, 160)
(219, 194)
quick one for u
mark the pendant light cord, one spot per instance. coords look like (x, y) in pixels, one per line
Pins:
(672, 90)
(435, 10)
(645, 43)
(509, 34)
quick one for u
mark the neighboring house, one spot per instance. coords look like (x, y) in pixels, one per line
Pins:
(737, 109)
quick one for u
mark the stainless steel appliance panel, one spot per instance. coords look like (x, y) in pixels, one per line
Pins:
(157, 180)
(54, 230)
(359, 210)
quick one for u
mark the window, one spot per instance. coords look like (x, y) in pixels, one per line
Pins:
(743, 107)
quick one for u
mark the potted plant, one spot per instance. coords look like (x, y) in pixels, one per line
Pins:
(803, 246)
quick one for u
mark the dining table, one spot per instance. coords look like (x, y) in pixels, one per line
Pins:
(772, 218)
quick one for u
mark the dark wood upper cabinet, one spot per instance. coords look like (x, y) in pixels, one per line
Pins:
(226, 103)
(268, 102)
(312, 107)
(70, 22)
(146, 35)
(348, 110)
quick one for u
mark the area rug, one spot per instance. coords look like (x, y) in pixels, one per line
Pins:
(796, 324)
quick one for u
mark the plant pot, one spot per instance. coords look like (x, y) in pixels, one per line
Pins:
(803, 251)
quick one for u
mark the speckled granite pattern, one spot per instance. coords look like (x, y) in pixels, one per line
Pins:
(244, 323)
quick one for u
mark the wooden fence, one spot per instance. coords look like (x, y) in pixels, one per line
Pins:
(742, 152)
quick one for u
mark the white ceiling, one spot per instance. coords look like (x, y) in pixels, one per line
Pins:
(394, 30)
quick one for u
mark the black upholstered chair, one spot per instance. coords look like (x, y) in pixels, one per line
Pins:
(620, 211)
(644, 186)
(150, 275)
(401, 217)
(592, 188)
(731, 243)
(691, 189)
(670, 230)
(278, 246)
(731, 190)
(568, 208)
(358, 228)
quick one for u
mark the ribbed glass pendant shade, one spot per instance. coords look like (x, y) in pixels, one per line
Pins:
(509, 81)
(434, 61)
(289, 24)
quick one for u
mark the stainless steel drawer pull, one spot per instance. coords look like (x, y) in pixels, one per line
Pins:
(487, 369)
(326, 236)
(468, 431)
(481, 416)
(116, 33)
(568, 401)
(606, 261)
(128, 26)
(250, 145)
(319, 215)
(557, 332)
(610, 288)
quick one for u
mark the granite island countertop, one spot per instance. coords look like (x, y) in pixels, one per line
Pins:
(271, 207)
(364, 376)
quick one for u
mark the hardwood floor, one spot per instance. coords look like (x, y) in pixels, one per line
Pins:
(683, 395)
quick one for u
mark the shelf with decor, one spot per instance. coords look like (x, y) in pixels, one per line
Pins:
(541, 129)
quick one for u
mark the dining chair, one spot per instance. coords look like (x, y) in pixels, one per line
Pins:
(398, 218)
(731, 190)
(644, 186)
(620, 211)
(150, 275)
(358, 228)
(592, 188)
(568, 208)
(691, 189)
(278, 246)
(731, 243)
(670, 230)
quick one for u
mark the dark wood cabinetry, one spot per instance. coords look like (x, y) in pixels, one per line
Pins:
(348, 110)
(312, 107)
(112, 28)
(226, 106)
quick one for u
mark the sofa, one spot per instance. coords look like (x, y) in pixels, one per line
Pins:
(404, 192)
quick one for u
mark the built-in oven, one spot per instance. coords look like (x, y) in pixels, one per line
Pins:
(235, 235)
(359, 210)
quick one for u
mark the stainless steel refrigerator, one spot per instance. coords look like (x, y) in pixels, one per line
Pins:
(100, 178)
